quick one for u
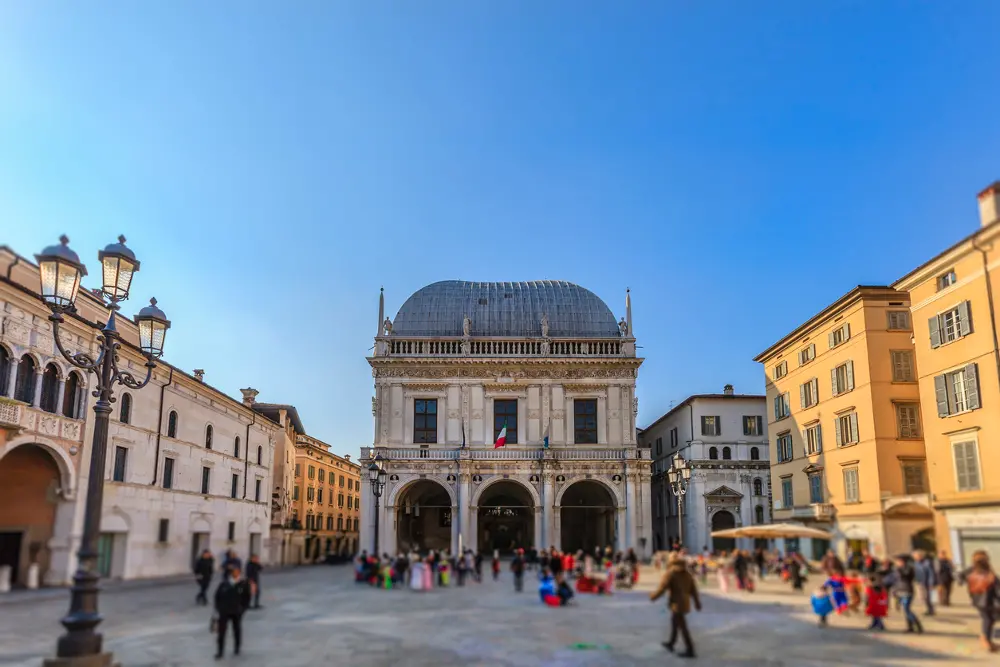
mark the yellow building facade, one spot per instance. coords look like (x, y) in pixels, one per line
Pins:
(844, 425)
(326, 499)
(954, 303)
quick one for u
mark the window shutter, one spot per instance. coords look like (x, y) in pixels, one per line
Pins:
(833, 382)
(815, 384)
(941, 395)
(854, 428)
(847, 331)
(961, 471)
(802, 395)
(830, 337)
(819, 437)
(718, 425)
(934, 324)
(840, 434)
(972, 386)
(965, 318)
(760, 425)
(850, 375)
(777, 402)
(805, 442)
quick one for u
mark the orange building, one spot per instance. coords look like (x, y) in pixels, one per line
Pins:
(326, 499)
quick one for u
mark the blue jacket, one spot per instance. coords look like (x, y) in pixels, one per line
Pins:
(925, 575)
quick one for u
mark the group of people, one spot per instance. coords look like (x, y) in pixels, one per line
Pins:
(238, 591)
(873, 582)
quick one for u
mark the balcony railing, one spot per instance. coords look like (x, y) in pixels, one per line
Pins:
(817, 511)
(10, 414)
(502, 347)
(502, 454)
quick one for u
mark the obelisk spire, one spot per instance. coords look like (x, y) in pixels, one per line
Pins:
(628, 311)
(381, 310)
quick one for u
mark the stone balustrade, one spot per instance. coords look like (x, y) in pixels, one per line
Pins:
(501, 347)
(44, 423)
(503, 454)
(10, 413)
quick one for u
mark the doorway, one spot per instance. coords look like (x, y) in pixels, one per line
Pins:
(10, 552)
(199, 542)
(587, 518)
(506, 518)
(723, 520)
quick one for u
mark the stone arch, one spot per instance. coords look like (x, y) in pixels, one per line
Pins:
(528, 486)
(406, 481)
(116, 520)
(723, 518)
(420, 515)
(67, 468)
(616, 493)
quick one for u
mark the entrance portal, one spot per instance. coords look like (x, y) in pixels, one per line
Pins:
(423, 517)
(29, 478)
(587, 518)
(506, 518)
(723, 520)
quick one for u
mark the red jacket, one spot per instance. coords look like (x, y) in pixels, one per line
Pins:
(878, 602)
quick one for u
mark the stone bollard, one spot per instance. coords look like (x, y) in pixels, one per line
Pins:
(5, 572)
(32, 582)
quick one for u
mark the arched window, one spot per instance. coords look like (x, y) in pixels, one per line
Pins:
(758, 487)
(713, 453)
(71, 396)
(5, 370)
(208, 436)
(50, 388)
(758, 514)
(172, 424)
(727, 453)
(260, 455)
(754, 454)
(236, 447)
(24, 389)
(125, 411)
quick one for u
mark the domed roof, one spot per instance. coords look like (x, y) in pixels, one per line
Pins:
(505, 309)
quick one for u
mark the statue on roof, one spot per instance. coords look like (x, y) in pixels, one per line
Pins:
(387, 326)
(545, 325)
(623, 328)
(466, 326)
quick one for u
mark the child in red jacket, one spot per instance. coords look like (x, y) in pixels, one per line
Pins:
(877, 607)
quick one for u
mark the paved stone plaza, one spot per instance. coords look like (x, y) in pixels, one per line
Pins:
(319, 616)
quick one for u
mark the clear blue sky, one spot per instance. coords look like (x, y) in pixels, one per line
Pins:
(739, 165)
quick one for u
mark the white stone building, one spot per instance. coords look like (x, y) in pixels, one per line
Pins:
(548, 360)
(724, 439)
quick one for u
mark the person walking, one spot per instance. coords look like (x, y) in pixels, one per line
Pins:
(682, 590)
(478, 561)
(877, 605)
(517, 568)
(926, 578)
(946, 579)
(901, 583)
(254, 569)
(741, 568)
(984, 592)
(231, 560)
(761, 562)
(496, 564)
(204, 568)
(232, 598)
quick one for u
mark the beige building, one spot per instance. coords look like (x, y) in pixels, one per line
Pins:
(954, 303)
(326, 499)
(844, 423)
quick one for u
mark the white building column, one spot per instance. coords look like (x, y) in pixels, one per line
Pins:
(621, 523)
(60, 395)
(36, 401)
(548, 503)
(11, 378)
(366, 538)
(539, 517)
(644, 537)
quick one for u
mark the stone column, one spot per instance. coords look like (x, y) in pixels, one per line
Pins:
(539, 517)
(61, 391)
(621, 521)
(474, 525)
(468, 541)
(11, 378)
(36, 401)
(646, 514)
(548, 503)
(556, 539)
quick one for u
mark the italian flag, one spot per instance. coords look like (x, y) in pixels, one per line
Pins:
(502, 438)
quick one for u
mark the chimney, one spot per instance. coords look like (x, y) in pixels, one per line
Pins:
(347, 457)
(249, 396)
(199, 374)
(989, 204)
(728, 390)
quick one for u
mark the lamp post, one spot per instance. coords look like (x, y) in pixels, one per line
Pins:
(679, 473)
(376, 475)
(60, 271)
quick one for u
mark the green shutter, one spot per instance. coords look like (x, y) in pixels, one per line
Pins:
(934, 325)
(964, 318)
(971, 386)
(941, 395)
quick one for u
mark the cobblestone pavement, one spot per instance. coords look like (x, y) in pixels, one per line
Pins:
(318, 615)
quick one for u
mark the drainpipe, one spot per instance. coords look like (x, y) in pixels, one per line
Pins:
(989, 296)
(10, 269)
(159, 425)
(246, 459)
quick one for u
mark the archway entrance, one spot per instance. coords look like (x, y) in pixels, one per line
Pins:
(29, 478)
(723, 520)
(587, 520)
(423, 517)
(506, 518)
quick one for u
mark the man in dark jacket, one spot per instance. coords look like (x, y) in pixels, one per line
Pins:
(681, 586)
(946, 579)
(203, 569)
(232, 598)
(926, 577)
(517, 567)
(254, 569)
(901, 582)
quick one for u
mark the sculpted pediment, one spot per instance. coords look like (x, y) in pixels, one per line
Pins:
(723, 492)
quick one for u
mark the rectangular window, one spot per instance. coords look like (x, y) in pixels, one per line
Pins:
(206, 478)
(946, 280)
(340, 501)
(908, 420)
(842, 378)
(840, 336)
(231, 534)
(816, 488)
(340, 523)
(967, 465)
(957, 391)
(163, 534)
(902, 366)
(585, 421)
(814, 439)
(295, 493)
(659, 446)
(298, 470)
(341, 481)
(787, 498)
(319, 522)
(350, 502)
(168, 473)
(784, 447)
(329, 522)
(319, 495)
(914, 477)
(753, 425)
(807, 354)
(852, 492)
(235, 486)
(951, 324)
(780, 370)
(256, 490)
(847, 429)
(505, 414)
(312, 472)
(898, 320)
(782, 407)
(673, 437)
(425, 421)
(310, 494)
(121, 458)
(711, 425)
(809, 393)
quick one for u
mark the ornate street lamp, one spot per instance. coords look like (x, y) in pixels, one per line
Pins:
(376, 475)
(679, 473)
(60, 272)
